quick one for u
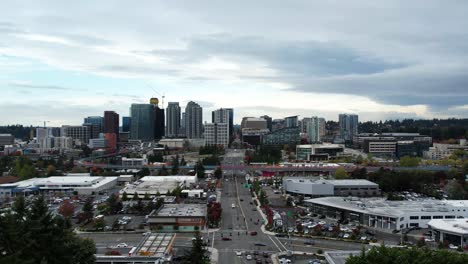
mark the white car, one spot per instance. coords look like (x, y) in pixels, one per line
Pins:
(284, 261)
(451, 246)
(322, 223)
(346, 235)
(363, 238)
(429, 240)
(249, 257)
(238, 253)
(122, 245)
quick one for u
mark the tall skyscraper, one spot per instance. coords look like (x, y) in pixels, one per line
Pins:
(322, 127)
(173, 119)
(142, 125)
(77, 133)
(159, 123)
(313, 130)
(111, 123)
(193, 120)
(126, 123)
(224, 115)
(348, 126)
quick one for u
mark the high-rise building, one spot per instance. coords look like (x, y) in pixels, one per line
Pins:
(77, 133)
(142, 125)
(193, 120)
(269, 121)
(253, 123)
(291, 121)
(173, 119)
(313, 130)
(43, 132)
(224, 115)
(348, 126)
(322, 127)
(111, 122)
(217, 134)
(96, 125)
(159, 123)
(6, 139)
(126, 123)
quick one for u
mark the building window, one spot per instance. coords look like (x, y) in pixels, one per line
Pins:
(426, 217)
(437, 217)
(414, 217)
(449, 217)
(402, 218)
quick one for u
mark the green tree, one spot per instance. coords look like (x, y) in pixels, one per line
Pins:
(198, 254)
(408, 161)
(455, 190)
(114, 204)
(200, 170)
(51, 170)
(218, 173)
(175, 165)
(341, 173)
(124, 196)
(39, 237)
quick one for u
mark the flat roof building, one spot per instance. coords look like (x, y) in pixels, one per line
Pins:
(455, 231)
(152, 185)
(385, 214)
(178, 218)
(83, 184)
(319, 187)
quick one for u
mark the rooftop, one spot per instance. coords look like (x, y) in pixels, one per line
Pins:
(379, 206)
(333, 182)
(457, 226)
(173, 210)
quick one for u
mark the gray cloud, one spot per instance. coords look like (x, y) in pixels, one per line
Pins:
(41, 87)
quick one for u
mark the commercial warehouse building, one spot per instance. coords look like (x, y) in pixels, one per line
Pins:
(83, 184)
(319, 187)
(178, 218)
(454, 231)
(384, 214)
(152, 185)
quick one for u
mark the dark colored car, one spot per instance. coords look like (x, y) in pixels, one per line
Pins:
(280, 235)
(258, 244)
(253, 233)
(265, 254)
(309, 242)
(226, 239)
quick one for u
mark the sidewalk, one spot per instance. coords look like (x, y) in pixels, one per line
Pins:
(214, 259)
(265, 219)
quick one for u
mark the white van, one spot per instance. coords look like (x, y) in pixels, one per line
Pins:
(233, 206)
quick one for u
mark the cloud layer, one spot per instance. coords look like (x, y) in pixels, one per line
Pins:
(380, 59)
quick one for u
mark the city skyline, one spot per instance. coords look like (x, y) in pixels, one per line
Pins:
(311, 59)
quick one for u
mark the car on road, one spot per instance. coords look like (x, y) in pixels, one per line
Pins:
(254, 209)
(253, 233)
(122, 245)
(309, 242)
(146, 233)
(258, 244)
(238, 253)
(233, 206)
(248, 257)
(226, 239)
(258, 261)
(280, 235)
(284, 261)
(266, 255)
(314, 261)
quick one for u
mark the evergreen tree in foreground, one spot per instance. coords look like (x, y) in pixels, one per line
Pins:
(35, 236)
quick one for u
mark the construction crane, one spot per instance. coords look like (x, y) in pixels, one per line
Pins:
(163, 95)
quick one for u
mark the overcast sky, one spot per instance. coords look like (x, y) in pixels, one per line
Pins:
(63, 60)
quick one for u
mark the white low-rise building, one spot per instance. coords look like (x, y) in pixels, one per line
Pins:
(454, 231)
(81, 184)
(152, 185)
(384, 214)
(320, 187)
(134, 162)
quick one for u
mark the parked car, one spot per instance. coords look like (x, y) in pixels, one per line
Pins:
(238, 253)
(122, 245)
(248, 257)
